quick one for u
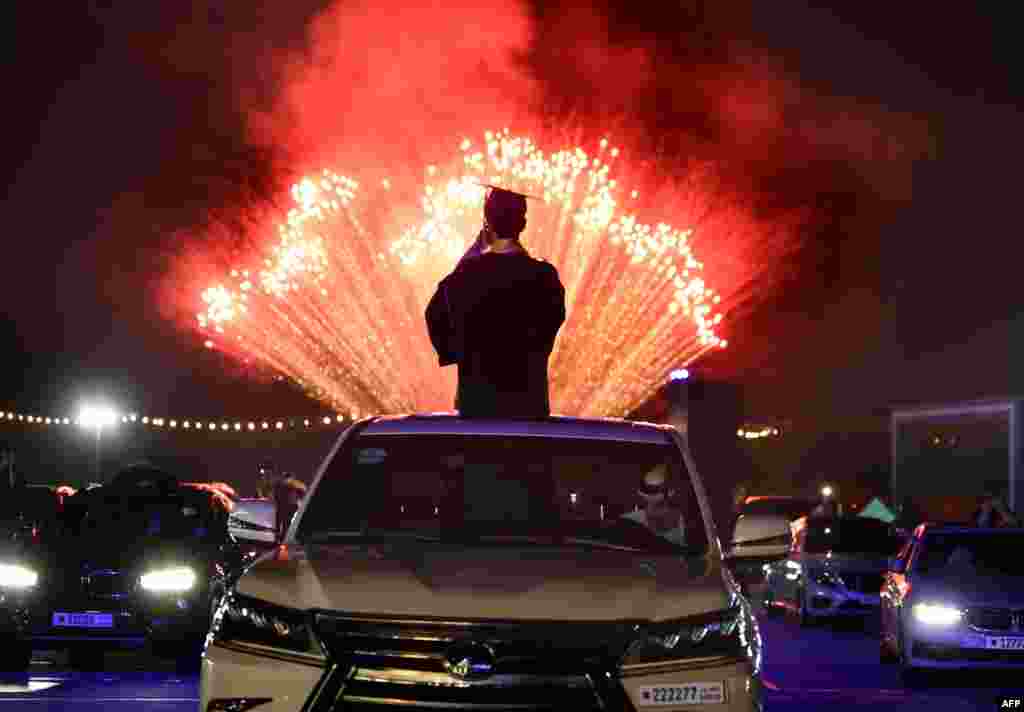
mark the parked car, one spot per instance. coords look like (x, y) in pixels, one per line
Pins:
(440, 562)
(138, 561)
(952, 599)
(834, 568)
(758, 540)
(761, 534)
(253, 521)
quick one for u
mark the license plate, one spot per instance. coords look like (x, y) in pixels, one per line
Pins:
(83, 620)
(1004, 643)
(694, 693)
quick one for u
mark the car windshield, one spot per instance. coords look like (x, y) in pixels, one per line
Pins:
(990, 553)
(850, 536)
(495, 489)
(137, 516)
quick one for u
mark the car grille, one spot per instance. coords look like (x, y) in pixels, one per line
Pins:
(995, 619)
(951, 653)
(106, 583)
(863, 583)
(385, 664)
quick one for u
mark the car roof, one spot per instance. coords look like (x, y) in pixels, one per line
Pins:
(611, 429)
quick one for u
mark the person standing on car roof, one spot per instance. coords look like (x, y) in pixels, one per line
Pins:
(497, 315)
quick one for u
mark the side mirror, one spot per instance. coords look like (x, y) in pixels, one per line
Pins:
(897, 566)
(255, 526)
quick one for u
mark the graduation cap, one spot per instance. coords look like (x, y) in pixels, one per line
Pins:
(499, 193)
(502, 204)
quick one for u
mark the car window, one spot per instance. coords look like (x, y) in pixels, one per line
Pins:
(850, 536)
(487, 487)
(961, 553)
(173, 517)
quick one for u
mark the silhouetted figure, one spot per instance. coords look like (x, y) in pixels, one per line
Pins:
(288, 494)
(497, 315)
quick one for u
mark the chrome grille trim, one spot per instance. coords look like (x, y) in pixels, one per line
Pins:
(539, 665)
(1014, 620)
(108, 584)
(397, 702)
(398, 676)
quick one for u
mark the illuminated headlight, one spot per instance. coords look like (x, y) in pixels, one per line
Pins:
(16, 576)
(936, 614)
(723, 632)
(172, 580)
(793, 570)
(265, 628)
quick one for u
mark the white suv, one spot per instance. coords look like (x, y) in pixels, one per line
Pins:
(448, 563)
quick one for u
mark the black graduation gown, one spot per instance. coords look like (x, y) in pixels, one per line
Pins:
(497, 316)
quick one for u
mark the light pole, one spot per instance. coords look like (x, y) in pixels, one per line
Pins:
(97, 417)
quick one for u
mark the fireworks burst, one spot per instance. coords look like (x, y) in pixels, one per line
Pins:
(337, 303)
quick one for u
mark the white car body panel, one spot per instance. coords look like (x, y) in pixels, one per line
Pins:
(525, 583)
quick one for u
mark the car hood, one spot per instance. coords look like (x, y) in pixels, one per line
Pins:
(488, 582)
(963, 588)
(849, 563)
(135, 555)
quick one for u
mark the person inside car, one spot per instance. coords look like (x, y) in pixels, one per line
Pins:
(658, 513)
(994, 513)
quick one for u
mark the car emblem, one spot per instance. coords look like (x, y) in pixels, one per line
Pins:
(469, 660)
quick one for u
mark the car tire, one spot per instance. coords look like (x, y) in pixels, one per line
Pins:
(911, 676)
(86, 658)
(16, 658)
(886, 655)
(185, 652)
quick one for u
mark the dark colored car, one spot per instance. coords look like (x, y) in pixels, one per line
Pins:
(834, 569)
(143, 561)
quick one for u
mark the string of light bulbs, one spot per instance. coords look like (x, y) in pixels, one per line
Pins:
(221, 425)
(191, 424)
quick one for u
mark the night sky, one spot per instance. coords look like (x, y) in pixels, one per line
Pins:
(127, 122)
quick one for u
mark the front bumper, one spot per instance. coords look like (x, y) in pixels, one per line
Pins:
(134, 620)
(230, 675)
(959, 647)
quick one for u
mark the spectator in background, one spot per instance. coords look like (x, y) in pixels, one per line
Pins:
(995, 513)
(12, 478)
(265, 481)
(288, 495)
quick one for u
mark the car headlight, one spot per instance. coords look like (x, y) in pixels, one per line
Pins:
(265, 628)
(726, 633)
(825, 578)
(17, 576)
(170, 580)
(937, 614)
